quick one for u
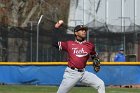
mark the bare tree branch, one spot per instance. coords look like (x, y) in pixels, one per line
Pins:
(30, 15)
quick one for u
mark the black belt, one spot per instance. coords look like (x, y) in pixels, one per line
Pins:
(79, 70)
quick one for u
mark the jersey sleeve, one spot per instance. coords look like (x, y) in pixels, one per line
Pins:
(93, 52)
(63, 45)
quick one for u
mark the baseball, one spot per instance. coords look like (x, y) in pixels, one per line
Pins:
(60, 21)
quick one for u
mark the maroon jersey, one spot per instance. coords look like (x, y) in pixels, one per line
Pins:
(78, 52)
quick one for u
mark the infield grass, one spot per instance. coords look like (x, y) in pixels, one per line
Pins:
(53, 89)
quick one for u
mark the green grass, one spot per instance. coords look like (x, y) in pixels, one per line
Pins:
(53, 89)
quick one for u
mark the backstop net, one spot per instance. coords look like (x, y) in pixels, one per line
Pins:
(20, 43)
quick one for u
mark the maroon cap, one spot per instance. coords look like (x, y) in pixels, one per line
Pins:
(80, 27)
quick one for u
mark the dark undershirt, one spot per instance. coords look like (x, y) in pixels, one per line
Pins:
(56, 39)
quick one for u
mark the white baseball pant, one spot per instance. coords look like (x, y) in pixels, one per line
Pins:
(71, 77)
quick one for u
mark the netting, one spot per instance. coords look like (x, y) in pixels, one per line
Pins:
(20, 44)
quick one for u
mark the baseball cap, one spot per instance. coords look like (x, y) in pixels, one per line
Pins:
(80, 27)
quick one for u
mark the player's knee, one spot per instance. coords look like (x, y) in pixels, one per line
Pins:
(101, 84)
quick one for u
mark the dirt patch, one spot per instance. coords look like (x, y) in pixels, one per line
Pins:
(124, 86)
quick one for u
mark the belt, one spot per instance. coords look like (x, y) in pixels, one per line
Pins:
(79, 70)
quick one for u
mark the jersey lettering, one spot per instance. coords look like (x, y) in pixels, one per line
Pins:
(79, 52)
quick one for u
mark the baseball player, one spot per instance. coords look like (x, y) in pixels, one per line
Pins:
(79, 52)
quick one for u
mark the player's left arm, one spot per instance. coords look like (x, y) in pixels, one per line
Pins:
(95, 59)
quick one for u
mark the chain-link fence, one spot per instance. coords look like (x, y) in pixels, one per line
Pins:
(20, 44)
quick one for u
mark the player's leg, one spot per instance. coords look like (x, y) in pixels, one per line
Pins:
(70, 78)
(93, 81)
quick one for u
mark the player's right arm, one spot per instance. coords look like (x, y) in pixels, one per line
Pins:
(58, 24)
(56, 40)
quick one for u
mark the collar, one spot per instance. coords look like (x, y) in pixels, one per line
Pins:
(80, 42)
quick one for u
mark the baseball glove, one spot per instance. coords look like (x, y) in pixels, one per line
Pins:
(96, 64)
